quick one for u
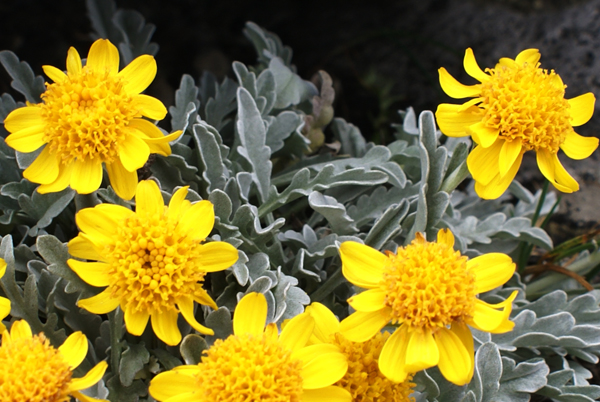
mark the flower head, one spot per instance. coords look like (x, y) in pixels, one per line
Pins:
(363, 379)
(32, 370)
(153, 261)
(259, 364)
(517, 107)
(4, 302)
(89, 116)
(429, 291)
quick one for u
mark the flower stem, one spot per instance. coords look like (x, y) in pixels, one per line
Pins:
(525, 248)
(115, 320)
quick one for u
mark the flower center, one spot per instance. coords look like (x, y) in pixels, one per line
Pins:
(363, 378)
(249, 368)
(32, 370)
(527, 104)
(153, 263)
(428, 285)
(86, 116)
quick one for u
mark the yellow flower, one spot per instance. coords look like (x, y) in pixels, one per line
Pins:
(153, 260)
(517, 107)
(32, 370)
(89, 116)
(363, 379)
(429, 291)
(4, 302)
(258, 364)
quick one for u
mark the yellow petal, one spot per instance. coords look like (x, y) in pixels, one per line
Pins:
(326, 322)
(2, 267)
(198, 220)
(164, 325)
(422, 351)
(24, 117)
(98, 224)
(94, 273)
(102, 303)
(73, 61)
(28, 139)
(217, 256)
(44, 168)
(472, 68)
(81, 247)
(484, 135)
(74, 349)
(446, 236)
(463, 332)
(487, 319)
(529, 56)
(62, 180)
(147, 130)
(176, 202)
(582, 108)
(54, 73)
(362, 265)
(138, 74)
(369, 300)
(201, 297)
(393, 355)
(87, 176)
(250, 315)
(508, 155)
(84, 398)
(506, 325)
(483, 163)
(122, 181)
(498, 185)
(323, 365)
(148, 199)
(455, 360)
(186, 306)
(360, 327)
(328, 394)
(150, 107)
(4, 309)
(133, 153)
(20, 330)
(297, 332)
(454, 121)
(578, 147)
(491, 270)
(136, 321)
(92, 377)
(103, 56)
(554, 171)
(455, 89)
(172, 383)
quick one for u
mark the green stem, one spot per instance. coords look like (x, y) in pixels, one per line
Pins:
(115, 320)
(329, 286)
(524, 248)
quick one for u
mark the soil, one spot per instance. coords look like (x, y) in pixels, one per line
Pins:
(382, 55)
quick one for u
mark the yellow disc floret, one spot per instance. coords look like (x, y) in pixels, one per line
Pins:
(364, 379)
(86, 116)
(32, 370)
(428, 285)
(249, 368)
(153, 264)
(526, 104)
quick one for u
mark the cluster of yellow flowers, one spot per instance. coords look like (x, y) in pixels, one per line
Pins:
(418, 304)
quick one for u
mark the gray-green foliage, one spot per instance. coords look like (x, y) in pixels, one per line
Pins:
(287, 209)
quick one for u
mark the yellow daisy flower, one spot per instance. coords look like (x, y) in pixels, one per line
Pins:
(517, 107)
(363, 379)
(32, 370)
(429, 291)
(259, 364)
(89, 116)
(4, 302)
(153, 261)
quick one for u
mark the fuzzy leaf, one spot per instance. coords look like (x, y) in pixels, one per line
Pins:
(24, 80)
(101, 14)
(267, 44)
(349, 136)
(334, 212)
(291, 89)
(191, 348)
(133, 359)
(211, 154)
(136, 35)
(185, 111)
